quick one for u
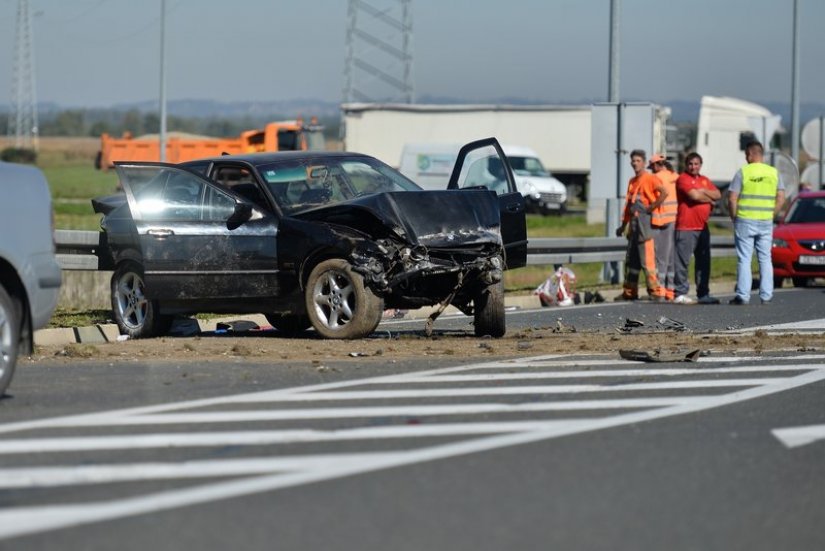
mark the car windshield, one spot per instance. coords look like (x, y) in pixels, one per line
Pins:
(806, 210)
(302, 184)
(527, 166)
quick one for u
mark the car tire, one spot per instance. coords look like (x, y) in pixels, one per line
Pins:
(800, 281)
(289, 324)
(488, 311)
(778, 282)
(338, 303)
(135, 315)
(9, 338)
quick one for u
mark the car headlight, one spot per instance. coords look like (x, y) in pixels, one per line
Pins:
(779, 243)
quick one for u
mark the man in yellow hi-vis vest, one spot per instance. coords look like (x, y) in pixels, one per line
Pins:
(755, 196)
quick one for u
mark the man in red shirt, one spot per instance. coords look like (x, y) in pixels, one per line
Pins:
(644, 194)
(696, 195)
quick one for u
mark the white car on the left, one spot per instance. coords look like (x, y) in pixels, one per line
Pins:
(29, 273)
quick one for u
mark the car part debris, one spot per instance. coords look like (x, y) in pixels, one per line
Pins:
(630, 325)
(671, 324)
(659, 355)
(563, 328)
(237, 326)
(428, 325)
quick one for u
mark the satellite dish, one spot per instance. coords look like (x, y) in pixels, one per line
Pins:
(812, 176)
(787, 169)
(812, 138)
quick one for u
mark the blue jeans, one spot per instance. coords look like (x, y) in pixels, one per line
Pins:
(747, 235)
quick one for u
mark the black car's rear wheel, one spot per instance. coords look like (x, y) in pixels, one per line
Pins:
(488, 311)
(338, 303)
(9, 338)
(289, 324)
(135, 315)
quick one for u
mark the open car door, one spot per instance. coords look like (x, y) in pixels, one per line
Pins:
(196, 239)
(483, 164)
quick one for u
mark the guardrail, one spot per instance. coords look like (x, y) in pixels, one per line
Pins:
(76, 249)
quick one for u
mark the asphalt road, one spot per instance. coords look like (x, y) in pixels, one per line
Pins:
(529, 453)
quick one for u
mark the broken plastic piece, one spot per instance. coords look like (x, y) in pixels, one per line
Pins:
(660, 356)
(672, 324)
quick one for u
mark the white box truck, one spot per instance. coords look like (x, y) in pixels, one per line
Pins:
(558, 134)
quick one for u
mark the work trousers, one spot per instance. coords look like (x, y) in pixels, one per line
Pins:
(693, 243)
(664, 239)
(747, 236)
(640, 257)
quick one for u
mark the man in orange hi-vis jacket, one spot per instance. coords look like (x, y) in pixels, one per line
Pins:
(645, 193)
(663, 221)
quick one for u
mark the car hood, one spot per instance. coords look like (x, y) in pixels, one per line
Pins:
(426, 218)
(800, 231)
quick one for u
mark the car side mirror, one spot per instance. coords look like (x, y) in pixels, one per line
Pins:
(242, 213)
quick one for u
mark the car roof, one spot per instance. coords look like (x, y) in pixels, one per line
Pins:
(272, 157)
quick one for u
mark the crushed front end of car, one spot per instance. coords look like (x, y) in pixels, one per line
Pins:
(420, 248)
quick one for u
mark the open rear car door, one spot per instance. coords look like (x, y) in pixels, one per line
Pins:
(483, 164)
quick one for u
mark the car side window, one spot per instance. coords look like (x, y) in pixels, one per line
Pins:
(200, 168)
(485, 172)
(182, 198)
(218, 206)
(240, 181)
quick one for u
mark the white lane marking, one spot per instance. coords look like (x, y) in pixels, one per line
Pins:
(64, 475)
(793, 437)
(809, 325)
(89, 419)
(27, 520)
(263, 438)
(514, 390)
(553, 362)
(402, 410)
(670, 372)
(251, 397)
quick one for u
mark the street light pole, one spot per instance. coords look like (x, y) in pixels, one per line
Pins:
(163, 80)
(795, 130)
(613, 69)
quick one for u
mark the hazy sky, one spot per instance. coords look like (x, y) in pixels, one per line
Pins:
(102, 52)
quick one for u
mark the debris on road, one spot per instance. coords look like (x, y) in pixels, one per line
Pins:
(659, 355)
(671, 324)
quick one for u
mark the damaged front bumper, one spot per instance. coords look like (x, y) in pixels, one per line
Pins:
(422, 274)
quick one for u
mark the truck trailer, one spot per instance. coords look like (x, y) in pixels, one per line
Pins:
(560, 134)
(291, 135)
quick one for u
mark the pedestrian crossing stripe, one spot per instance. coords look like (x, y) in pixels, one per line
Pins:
(263, 474)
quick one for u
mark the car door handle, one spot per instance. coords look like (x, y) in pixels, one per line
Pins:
(160, 234)
(513, 207)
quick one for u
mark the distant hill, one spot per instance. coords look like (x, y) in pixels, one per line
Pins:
(285, 109)
(682, 111)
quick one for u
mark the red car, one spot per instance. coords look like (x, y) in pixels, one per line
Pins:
(798, 250)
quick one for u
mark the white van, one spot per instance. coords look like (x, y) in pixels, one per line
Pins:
(430, 166)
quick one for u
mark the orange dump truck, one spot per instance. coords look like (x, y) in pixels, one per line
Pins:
(275, 136)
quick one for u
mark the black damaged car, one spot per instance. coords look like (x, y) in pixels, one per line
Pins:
(326, 240)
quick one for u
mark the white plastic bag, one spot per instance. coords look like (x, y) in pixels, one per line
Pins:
(558, 289)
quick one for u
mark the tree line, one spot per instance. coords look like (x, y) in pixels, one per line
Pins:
(94, 122)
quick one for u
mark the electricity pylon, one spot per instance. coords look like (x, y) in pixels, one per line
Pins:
(379, 52)
(23, 124)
